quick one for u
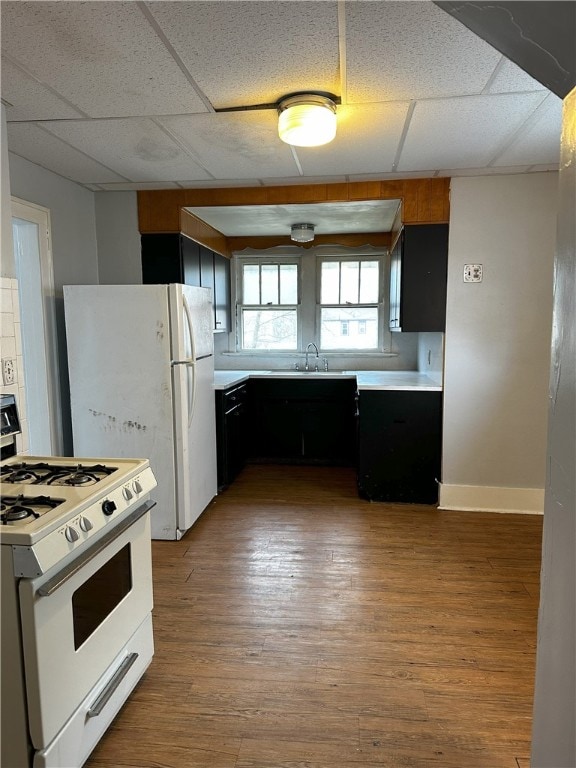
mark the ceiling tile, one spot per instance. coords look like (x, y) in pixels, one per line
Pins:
(412, 50)
(510, 78)
(124, 186)
(289, 181)
(216, 183)
(463, 133)
(243, 53)
(366, 141)
(235, 144)
(34, 144)
(539, 142)
(103, 57)
(491, 171)
(29, 98)
(138, 149)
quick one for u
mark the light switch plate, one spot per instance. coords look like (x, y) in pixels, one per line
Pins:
(472, 273)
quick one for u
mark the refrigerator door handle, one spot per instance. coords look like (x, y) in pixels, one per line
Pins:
(190, 370)
(188, 317)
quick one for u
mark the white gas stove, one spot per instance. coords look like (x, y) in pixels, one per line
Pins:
(53, 507)
(76, 603)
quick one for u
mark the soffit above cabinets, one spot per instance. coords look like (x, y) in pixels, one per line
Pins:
(125, 95)
(327, 218)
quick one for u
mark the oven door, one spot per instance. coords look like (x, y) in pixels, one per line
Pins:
(76, 622)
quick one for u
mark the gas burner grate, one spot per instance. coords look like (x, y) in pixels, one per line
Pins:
(80, 475)
(19, 509)
(42, 473)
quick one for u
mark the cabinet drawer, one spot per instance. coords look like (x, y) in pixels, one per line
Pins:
(234, 398)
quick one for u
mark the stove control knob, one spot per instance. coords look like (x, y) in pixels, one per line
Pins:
(71, 533)
(85, 524)
(127, 493)
(108, 507)
(137, 486)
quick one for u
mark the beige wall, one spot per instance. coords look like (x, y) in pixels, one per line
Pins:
(497, 346)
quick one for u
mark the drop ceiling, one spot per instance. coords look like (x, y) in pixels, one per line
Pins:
(125, 95)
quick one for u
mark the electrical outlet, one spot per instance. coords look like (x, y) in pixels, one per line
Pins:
(472, 273)
(8, 371)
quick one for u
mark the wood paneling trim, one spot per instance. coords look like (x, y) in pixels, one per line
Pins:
(424, 201)
(376, 239)
(203, 233)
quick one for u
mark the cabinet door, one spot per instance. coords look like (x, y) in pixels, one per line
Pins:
(395, 283)
(222, 299)
(423, 278)
(231, 433)
(399, 446)
(207, 269)
(190, 260)
(161, 258)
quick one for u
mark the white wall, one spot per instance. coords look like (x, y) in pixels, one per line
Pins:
(119, 259)
(553, 732)
(74, 252)
(497, 347)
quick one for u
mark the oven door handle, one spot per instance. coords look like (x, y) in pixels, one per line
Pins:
(112, 685)
(70, 570)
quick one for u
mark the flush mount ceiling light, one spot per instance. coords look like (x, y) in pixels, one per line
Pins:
(307, 119)
(302, 233)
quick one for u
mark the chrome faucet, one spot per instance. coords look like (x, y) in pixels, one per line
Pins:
(306, 367)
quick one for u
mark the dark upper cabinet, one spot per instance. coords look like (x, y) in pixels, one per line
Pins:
(222, 298)
(418, 274)
(175, 258)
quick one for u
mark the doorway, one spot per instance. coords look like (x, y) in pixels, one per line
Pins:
(34, 271)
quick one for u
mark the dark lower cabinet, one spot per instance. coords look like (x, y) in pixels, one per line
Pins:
(399, 445)
(231, 432)
(302, 422)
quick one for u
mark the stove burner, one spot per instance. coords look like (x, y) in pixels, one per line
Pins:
(23, 476)
(80, 476)
(18, 509)
(54, 474)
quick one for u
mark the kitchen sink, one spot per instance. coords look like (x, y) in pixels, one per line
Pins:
(308, 374)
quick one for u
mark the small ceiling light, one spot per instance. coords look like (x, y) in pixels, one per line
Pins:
(302, 233)
(307, 120)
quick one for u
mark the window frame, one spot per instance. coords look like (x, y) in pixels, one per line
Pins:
(379, 304)
(240, 306)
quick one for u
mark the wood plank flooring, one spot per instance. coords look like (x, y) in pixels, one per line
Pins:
(298, 626)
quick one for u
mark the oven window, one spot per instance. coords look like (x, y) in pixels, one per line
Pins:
(97, 597)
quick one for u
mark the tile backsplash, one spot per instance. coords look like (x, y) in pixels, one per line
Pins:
(11, 353)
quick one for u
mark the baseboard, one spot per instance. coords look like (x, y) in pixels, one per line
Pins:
(480, 498)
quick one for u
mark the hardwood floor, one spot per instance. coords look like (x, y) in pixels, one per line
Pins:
(298, 626)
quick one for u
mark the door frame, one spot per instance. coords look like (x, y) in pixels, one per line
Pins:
(40, 215)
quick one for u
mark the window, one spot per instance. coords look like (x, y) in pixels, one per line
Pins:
(349, 303)
(268, 307)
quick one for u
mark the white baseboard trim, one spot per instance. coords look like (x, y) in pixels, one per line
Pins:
(481, 498)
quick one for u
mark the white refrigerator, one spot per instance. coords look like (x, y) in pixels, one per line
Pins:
(141, 373)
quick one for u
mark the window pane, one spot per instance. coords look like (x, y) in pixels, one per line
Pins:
(269, 329)
(369, 282)
(330, 282)
(349, 328)
(250, 284)
(269, 284)
(349, 282)
(288, 284)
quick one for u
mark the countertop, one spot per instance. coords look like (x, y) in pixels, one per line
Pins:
(397, 380)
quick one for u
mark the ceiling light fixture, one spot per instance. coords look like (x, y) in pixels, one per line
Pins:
(307, 119)
(302, 233)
